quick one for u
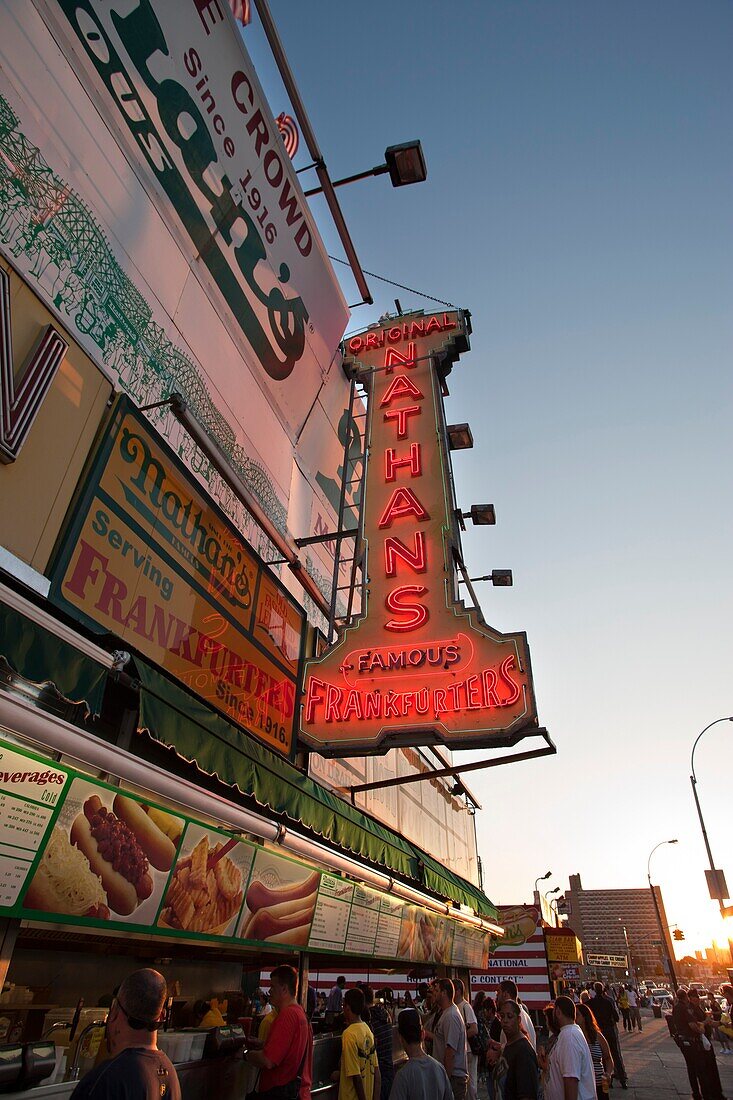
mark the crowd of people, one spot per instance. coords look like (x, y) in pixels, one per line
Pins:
(450, 1043)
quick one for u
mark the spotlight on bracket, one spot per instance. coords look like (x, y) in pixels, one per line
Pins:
(482, 515)
(460, 437)
(500, 578)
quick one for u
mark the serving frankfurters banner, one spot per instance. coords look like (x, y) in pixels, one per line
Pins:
(147, 558)
(74, 850)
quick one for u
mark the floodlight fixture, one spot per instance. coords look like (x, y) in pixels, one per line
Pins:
(405, 164)
(459, 437)
(500, 578)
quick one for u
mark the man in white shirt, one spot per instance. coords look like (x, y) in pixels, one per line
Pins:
(634, 1012)
(570, 1071)
(507, 991)
(469, 1018)
(449, 1039)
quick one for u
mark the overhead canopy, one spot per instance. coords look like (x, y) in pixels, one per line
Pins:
(45, 659)
(181, 721)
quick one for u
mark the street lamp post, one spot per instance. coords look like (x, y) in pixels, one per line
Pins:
(550, 900)
(724, 911)
(662, 930)
(632, 975)
(693, 781)
(536, 895)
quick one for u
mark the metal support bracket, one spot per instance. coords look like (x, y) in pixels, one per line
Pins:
(550, 749)
(311, 540)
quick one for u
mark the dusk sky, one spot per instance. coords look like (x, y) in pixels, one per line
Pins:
(578, 202)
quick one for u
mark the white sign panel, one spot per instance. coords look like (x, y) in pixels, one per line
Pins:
(88, 222)
(175, 78)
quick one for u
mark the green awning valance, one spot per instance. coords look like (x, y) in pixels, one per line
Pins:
(41, 657)
(175, 718)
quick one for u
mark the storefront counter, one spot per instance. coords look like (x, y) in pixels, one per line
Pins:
(229, 1077)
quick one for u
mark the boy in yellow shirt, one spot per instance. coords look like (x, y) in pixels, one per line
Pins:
(359, 1075)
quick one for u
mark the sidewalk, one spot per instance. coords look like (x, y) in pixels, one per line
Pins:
(656, 1067)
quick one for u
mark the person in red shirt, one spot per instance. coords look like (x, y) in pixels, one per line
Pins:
(288, 1053)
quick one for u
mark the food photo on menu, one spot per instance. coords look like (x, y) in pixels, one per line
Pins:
(108, 857)
(206, 891)
(431, 938)
(407, 932)
(280, 902)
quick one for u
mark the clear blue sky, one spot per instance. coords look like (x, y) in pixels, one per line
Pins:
(578, 202)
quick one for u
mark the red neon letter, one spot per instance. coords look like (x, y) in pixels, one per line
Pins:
(395, 548)
(401, 415)
(511, 684)
(403, 502)
(417, 614)
(313, 698)
(488, 680)
(395, 357)
(400, 387)
(392, 463)
(333, 698)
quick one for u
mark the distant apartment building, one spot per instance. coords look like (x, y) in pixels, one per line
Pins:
(598, 918)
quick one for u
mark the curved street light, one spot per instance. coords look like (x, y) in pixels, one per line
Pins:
(693, 781)
(536, 894)
(552, 902)
(662, 930)
(541, 878)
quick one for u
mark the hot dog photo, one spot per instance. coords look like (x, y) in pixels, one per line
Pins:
(108, 857)
(206, 891)
(280, 901)
(432, 939)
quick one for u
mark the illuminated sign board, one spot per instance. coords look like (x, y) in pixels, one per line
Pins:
(417, 667)
(148, 559)
(618, 961)
(563, 946)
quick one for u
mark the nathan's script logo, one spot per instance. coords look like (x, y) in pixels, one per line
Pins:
(227, 236)
(185, 526)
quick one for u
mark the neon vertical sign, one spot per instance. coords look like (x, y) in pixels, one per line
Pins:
(417, 667)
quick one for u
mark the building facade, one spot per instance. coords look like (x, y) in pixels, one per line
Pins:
(600, 916)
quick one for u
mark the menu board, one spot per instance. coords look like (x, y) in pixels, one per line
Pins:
(75, 850)
(27, 799)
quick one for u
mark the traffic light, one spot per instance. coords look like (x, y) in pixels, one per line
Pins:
(678, 934)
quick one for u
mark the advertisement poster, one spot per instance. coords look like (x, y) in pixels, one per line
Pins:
(77, 851)
(519, 955)
(147, 558)
(281, 897)
(243, 319)
(206, 890)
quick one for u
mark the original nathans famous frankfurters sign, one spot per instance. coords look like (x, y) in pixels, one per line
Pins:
(146, 558)
(417, 668)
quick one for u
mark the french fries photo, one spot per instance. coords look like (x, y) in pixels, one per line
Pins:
(205, 892)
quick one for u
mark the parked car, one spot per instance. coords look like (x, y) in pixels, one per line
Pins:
(662, 998)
